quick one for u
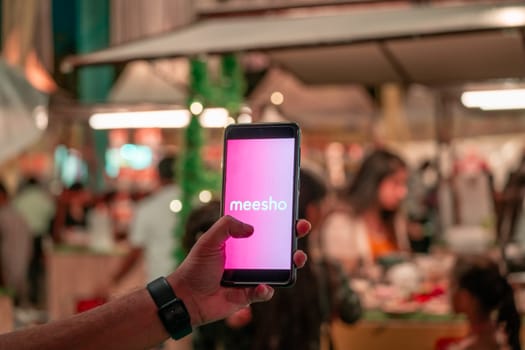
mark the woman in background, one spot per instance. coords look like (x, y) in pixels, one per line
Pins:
(369, 226)
(299, 317)
(484, 296)
(295, 318)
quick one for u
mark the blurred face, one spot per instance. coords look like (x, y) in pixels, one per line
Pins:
(393, 190)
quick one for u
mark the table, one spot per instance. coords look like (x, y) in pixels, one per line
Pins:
(76, 274)
(394, 334)
(418, 333)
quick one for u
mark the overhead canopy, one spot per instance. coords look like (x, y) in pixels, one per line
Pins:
(23, 112)
(427, 44)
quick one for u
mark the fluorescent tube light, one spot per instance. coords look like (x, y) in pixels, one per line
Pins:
(509, 16)
(177, 118)
(490, 100)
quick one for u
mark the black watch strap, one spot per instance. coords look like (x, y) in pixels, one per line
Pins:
(161, 291)
(171, 310)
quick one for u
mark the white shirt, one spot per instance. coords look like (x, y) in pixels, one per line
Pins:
(37, 208)
(153, 230)
(345, 237)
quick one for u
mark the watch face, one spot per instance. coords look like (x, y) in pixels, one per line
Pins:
(174, 313)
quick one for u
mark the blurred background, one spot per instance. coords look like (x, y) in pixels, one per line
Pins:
(412, 113)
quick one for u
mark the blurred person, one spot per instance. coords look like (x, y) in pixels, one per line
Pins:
(480, 292)
(71, 215)
(199, 221)
(16, 243)
(134, 322)
(151, 231)
(299, 317)
(100, 224)
(422, 206)
(37, 207)
(121, 204)
(370, 226)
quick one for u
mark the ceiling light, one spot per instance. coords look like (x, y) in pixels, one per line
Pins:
(277, 98)
(41, 117)
(214, 118)
(196, 108)
(489, 100)
(175, 206)
(510, 16)
(177, 118)
(205, 196)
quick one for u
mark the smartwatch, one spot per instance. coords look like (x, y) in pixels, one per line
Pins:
(171, 310)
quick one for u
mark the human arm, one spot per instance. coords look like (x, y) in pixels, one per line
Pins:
(138, 236)
(131, 322)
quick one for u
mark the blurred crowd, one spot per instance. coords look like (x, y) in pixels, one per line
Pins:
(358, 233)
(31, 217)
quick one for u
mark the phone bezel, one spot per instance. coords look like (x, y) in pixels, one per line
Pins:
(251, 277)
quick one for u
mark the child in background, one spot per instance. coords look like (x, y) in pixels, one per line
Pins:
(484, 296)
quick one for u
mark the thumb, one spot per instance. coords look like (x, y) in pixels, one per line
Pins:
(246, 296)
(224, 228)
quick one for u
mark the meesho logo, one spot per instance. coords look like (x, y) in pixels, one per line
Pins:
(266, 205)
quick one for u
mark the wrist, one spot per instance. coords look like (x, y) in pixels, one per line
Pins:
(171, 309)
(184, 294)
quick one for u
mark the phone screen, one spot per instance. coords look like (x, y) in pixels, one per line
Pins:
(259, 190)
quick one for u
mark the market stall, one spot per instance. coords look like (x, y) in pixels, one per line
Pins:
(414, 334)
(407, 303)
(76, 277)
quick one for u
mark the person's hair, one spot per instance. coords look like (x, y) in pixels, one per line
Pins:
(28, 183)
(481, 278)
(77, 186)
(3, 191)
(166, 168)
(312, 190)
(363, 191)
(199, 221)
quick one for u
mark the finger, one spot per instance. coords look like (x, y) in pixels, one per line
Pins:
(225, 227)
(262, 292)
(303, 227)
(300, 258)
(246, 296)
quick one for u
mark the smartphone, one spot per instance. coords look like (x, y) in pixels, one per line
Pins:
(260, 187)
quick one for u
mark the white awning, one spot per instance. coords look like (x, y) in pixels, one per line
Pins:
(23, 112)
(384, 45)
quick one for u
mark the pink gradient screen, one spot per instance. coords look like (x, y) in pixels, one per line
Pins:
(260, 191)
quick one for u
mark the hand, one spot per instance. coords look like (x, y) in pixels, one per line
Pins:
(197, 280)
(239, 318)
